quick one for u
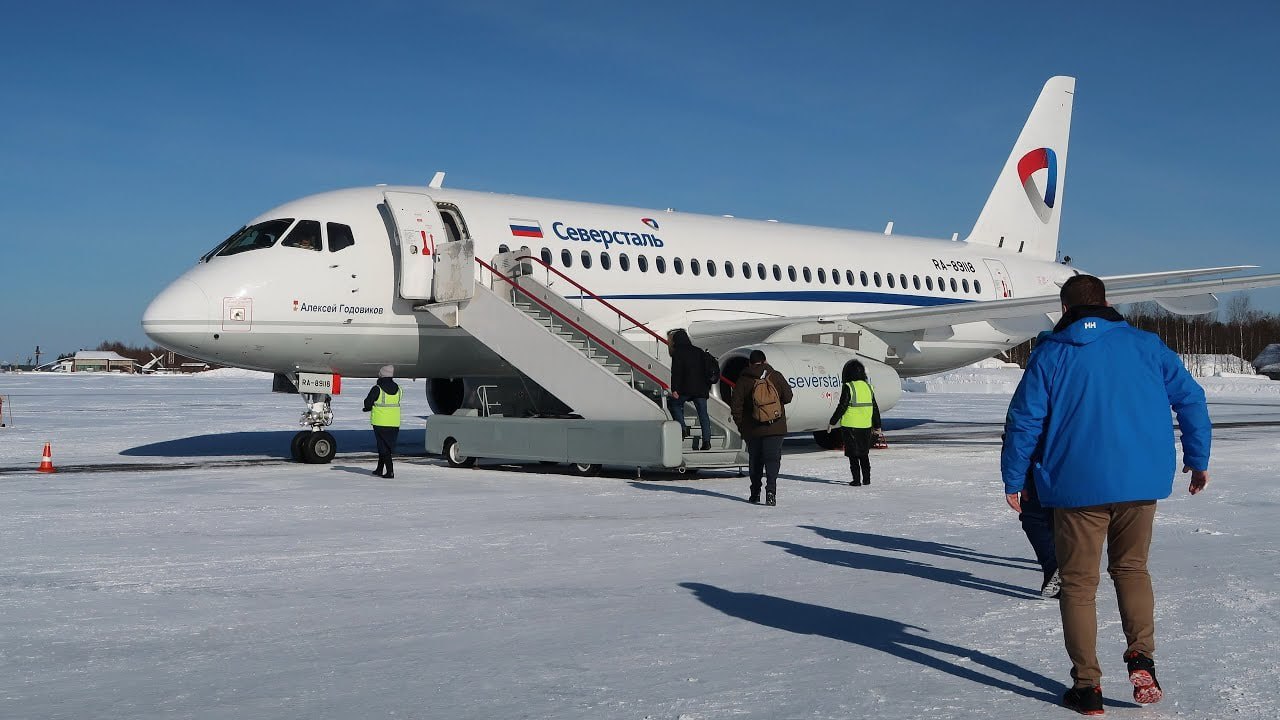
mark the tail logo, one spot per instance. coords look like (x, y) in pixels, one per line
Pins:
(1031, 164)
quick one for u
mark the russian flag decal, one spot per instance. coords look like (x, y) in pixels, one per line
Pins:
(526, 228)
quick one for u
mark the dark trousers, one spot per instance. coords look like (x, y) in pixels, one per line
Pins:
(766, 458)
(386, 438)
(1037, 523)
(857, 447)
(676, 406)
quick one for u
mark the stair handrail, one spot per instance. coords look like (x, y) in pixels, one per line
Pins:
(618, 311)
(497, 273)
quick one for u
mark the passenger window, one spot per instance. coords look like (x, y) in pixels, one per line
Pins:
(835, 276)
(604, 260)
(953, 285)
(503, 248)
(566, 258)
(808, 276)
(678, 265)
(624, 262)
(340, 237)
(915, 281)
(863, 277)
(876, 277)
(586, 259)
(304, 236)
(546, 255)
(928, 282)
(746, 271)
(848, 278)
(760, 273)
(888, 278)
(965, 284)
(902, 281)
(642, 263)
(977, 287)
(777, 273)
(695, 267)
(942, 284)
(728, 269)
(822, 276)
(660, 263)
(711, 268)
(791, 272)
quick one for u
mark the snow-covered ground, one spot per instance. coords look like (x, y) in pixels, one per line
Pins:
(177, 566)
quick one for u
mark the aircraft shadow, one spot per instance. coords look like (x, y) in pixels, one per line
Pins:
(887, 636)
(926, 547)
(901, 566)
(272, 443)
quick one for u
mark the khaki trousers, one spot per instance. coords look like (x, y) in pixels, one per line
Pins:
(1079, 534)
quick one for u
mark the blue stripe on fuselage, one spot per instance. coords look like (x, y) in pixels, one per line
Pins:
(840, 296)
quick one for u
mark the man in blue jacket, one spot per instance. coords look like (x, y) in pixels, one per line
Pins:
(1095, 400)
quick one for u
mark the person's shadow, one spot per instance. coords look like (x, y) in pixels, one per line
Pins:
(925, 547)
(887, 636)
(686, 490)
(902, 566)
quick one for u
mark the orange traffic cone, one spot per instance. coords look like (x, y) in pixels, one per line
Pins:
(46, 462)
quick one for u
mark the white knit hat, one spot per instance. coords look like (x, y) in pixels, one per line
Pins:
(387, 371)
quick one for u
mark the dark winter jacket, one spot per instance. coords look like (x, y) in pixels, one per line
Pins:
(388, 385)
(1093, 406)
(741, 405)
(690, 374)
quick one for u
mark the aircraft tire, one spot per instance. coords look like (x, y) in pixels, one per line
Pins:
(295, 445)
(454, 457)
(319, 449)
(828, 440)
(585, 469)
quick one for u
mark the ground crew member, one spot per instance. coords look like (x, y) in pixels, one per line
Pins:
(857, 416)
(383, 405)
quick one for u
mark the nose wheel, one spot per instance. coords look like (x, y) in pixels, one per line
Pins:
(314, 446)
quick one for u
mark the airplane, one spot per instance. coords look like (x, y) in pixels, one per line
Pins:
(329, 283)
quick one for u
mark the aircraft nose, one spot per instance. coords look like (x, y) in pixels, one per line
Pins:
(178, 318)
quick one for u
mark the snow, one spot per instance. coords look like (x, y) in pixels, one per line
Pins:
(178, 566)
(995, 377)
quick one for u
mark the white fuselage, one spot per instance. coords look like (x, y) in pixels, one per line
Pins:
(285, 309)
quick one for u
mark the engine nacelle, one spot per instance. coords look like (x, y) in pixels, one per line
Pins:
(813, 372)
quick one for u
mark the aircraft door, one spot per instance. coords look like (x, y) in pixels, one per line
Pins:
(1000, 278)
(418, 226)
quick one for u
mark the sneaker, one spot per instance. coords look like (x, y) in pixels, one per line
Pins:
(1085, 700)
(1142, 673)
(754, 499)
(770, 499)
(1052, 587)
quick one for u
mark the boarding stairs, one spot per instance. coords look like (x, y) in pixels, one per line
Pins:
(614, 376)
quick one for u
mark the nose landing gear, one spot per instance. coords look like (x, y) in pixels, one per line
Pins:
(315, 446)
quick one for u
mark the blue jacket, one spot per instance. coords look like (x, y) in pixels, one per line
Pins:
(1093, 409)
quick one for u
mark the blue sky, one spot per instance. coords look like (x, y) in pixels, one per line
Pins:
(136, 135)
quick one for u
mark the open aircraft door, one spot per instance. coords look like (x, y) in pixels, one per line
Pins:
(433, 267)
(1000, 279)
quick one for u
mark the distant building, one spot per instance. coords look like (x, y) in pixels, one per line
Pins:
(95, 361)
(1268, 361)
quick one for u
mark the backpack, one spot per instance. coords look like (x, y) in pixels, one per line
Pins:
(766, 405)
(711, 367)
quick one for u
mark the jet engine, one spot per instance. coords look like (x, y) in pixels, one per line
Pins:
(813, 371)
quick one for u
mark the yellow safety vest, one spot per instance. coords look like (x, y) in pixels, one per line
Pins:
(386, 412)
(858, 415)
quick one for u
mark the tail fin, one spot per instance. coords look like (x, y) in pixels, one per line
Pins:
(1023, 210)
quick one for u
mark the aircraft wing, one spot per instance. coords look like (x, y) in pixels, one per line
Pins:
(1185, 297)
(1119, 281)
(939, 316)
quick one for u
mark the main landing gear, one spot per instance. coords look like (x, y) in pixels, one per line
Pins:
(315, 446)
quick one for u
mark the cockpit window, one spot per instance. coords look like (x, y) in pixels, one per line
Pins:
(340, 236)
(305, 235)
(219, 246)
(255, 237)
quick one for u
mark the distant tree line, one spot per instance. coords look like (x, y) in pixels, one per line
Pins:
(1237, 329)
